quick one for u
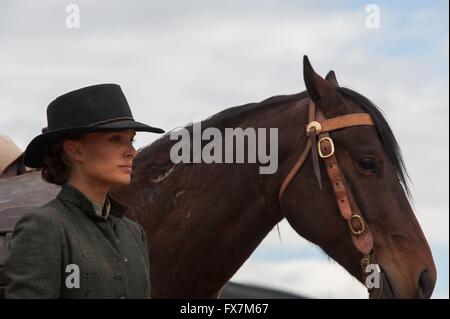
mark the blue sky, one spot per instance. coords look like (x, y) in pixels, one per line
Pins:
(181, 61)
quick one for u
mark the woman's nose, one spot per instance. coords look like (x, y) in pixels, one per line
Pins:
(131, 151)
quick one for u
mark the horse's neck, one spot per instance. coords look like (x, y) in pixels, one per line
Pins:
(261, 211)
(207, 235)
(209, 232)
(290, 119)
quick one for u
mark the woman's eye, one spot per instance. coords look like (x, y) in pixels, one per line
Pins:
(367, 164)
(119, 139)
(116, 138)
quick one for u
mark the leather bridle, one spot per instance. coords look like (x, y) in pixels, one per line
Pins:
(318, 127)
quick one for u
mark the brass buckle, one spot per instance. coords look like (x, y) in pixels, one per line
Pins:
(363, 225)
(320, 150)
(314, 124)
(365, 261)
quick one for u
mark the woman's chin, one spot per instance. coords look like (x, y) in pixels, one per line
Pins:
(124, 179)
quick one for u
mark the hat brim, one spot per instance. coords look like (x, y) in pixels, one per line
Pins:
(34, 151)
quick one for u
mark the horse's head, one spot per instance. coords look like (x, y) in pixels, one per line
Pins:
(371, 163)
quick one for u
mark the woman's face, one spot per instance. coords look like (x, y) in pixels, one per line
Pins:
(105, 156)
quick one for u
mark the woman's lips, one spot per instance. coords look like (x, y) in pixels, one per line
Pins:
(126, 168)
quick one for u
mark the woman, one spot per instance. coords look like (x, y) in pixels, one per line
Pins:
(79, 245)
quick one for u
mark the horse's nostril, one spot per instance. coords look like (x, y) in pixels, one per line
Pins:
(426, 284)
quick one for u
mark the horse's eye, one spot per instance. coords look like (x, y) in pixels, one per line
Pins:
(367, 164)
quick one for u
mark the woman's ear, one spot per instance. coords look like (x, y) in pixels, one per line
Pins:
(73, 150)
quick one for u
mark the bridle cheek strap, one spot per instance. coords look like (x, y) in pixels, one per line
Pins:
(359, 230)
(299, 163)
(318, 125)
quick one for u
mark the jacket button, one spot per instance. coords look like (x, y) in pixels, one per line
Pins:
(125, 259)
(123, 297)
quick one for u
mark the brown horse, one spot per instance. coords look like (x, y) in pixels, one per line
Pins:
(204, 220)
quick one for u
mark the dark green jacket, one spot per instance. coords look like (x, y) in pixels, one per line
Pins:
(49, 244)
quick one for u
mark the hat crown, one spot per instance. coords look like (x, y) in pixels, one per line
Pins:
(88, 106)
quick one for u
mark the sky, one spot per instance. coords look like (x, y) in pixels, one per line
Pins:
(182, 61)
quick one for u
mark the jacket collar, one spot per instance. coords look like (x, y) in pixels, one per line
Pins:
(71, 194)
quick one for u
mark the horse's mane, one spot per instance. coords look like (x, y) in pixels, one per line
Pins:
(233, 115)
(387, 137)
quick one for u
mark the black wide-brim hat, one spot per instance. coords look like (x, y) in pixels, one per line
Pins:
(96, 108)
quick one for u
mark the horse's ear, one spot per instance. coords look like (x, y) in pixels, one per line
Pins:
(331, 77)
(324, 91)
(318, 88)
